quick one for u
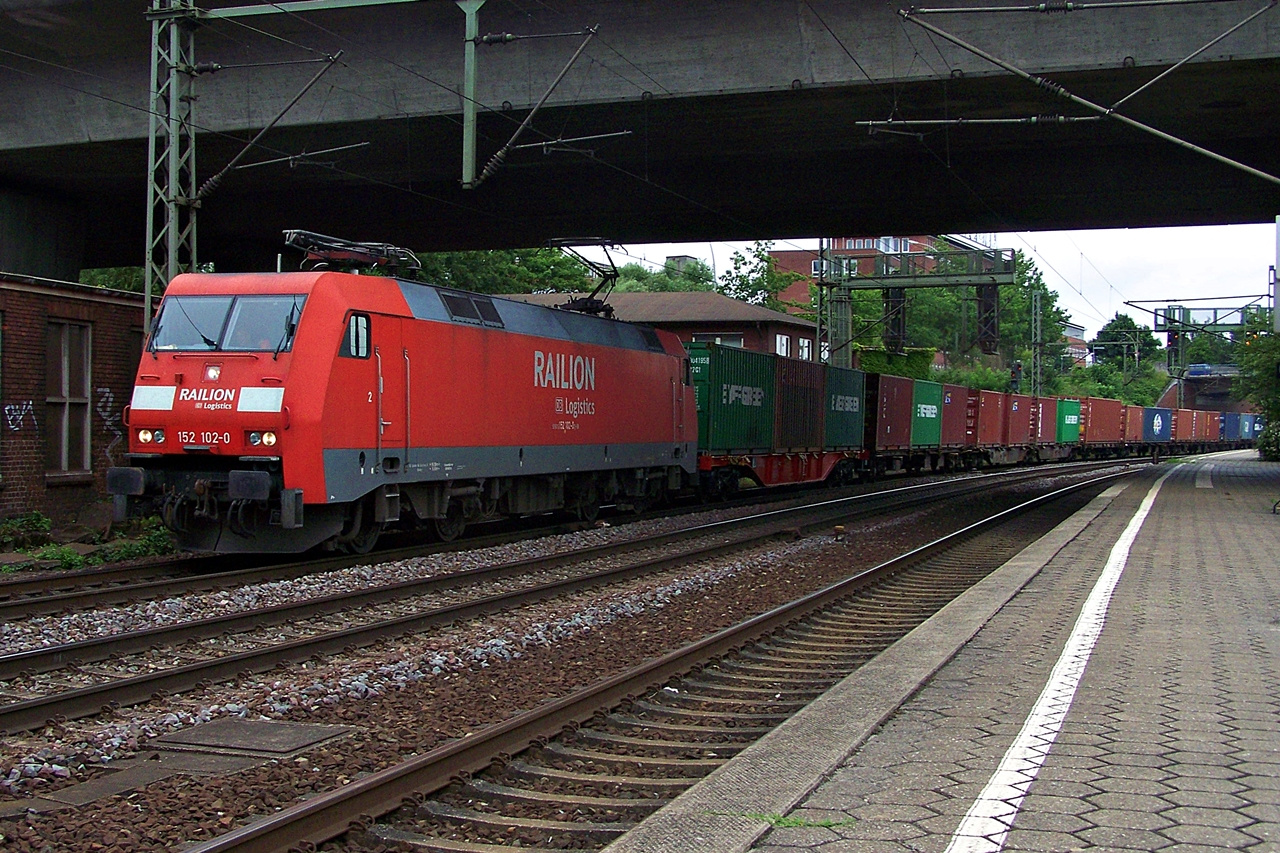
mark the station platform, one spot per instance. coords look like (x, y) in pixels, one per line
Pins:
(1116, 686)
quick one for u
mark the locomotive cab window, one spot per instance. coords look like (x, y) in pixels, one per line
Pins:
(261, 323)
(355, 343)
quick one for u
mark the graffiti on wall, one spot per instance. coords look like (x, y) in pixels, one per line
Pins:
(15, 414)
(111, 421)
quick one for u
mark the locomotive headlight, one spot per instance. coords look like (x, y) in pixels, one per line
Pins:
(144, 435)
(255, 438)
(159, 436)
(269, 439)
(212, 372)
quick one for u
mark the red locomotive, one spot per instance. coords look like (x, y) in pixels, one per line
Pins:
(277, 412)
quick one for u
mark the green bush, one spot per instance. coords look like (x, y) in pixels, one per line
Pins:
(24, 531)
(153, 539)
(69, 559)
(1268, 443)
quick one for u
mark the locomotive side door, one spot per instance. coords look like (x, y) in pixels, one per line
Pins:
(389, 392)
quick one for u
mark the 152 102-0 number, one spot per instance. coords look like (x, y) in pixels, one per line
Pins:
(206, 437)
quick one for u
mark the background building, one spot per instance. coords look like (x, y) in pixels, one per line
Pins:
(68, 357)
(706, 316)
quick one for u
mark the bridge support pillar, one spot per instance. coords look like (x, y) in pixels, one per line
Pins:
(40, 237)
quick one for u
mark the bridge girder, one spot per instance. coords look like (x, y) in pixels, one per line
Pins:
(745, 130)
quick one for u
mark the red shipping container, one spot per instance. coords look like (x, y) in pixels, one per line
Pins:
(893, 410)
(1133, 423)
(1044, 421)
(1207, 426)
(1018, 420)
(955, 416)
(988, 417)
(1184, 428)
(801, 405)
(1101, 420)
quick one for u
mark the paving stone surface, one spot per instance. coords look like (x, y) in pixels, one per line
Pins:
(1172, 740)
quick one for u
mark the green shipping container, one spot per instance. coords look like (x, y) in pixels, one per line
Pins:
(734, 389)
(845, 415)
(926, 414)
(1068, 421)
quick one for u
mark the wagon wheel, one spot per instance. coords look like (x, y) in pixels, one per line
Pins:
(727, 482)
(451, 526)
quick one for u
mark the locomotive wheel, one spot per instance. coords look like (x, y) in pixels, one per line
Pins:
(365, 539)
(586, 505)
(451, 526)
(363, 532)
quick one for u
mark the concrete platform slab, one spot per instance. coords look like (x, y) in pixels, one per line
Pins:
(1169, 736)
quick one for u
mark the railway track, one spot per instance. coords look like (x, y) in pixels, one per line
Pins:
(83, 678)
(577, 772)
(56, 592)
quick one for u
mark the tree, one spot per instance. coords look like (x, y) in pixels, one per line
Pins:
(755, 278)
(506, 271)
(1118, 339)
(693, 275)
(117, 278)
(1209, 348)
(1140, 387)
(1258, 354)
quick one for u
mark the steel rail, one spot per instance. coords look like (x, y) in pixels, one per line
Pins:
(22, 589)
(197, 580)
(85, 701)
(106, 585)
(357, 804)
(45, 659)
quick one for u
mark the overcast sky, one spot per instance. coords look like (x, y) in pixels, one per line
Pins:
(1095, 272)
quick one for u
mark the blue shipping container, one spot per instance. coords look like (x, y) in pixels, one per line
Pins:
(1157, 424)
(1230, 426)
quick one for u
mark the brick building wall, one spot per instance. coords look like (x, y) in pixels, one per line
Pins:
(28, 479)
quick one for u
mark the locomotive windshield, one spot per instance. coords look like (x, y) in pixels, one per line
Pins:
(228, 323)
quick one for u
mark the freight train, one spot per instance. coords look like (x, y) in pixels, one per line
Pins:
(285, 411)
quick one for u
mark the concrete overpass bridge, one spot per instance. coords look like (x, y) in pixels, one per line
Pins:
(743, 119)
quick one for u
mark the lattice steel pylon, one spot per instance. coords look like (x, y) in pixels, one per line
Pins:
(171, 149)
(1037, 345)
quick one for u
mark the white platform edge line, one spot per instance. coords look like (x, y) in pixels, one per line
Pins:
(988, 821)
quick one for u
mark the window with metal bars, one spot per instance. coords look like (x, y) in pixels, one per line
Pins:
(67, 384)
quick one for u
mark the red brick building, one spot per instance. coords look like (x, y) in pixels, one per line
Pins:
(706, 316)
(846, 255)
(68, 356)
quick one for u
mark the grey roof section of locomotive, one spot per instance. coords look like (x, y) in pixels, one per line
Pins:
(523, 318)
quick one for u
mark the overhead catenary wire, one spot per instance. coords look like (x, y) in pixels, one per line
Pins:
(1193, 55)
(1098, 314)
(481, 211)
(1060, 91)
(1060, 6)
